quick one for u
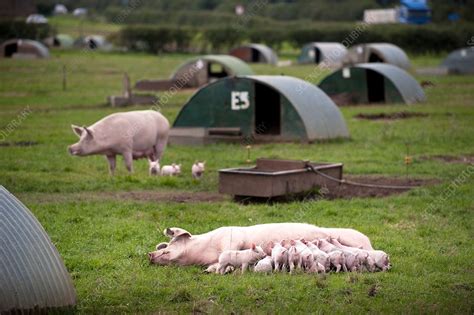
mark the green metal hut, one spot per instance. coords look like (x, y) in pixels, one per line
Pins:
(197, 72)
(263, 108)
(372, 83)
(257, 53)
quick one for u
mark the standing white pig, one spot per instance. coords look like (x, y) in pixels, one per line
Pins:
(198, 169)
(154, 167)
(171, 170)
(240, 258)
(134, 135)
(279, 256)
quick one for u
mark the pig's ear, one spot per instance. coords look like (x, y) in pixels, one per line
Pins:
(168, 232)
(89, 132)
(161, 246)
(252, 246)
(77, 130)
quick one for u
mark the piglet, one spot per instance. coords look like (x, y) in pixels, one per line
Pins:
(240, 258)
(280, 257)
(264, 265)
(154, 167)
(198, 169)
(171, 170)
(337, 260)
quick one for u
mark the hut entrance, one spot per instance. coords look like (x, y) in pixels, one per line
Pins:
(375, 58)
(317, 55)
(215, 71)
(375, 87)
(11, 49)
(267, 110)
(255, 55)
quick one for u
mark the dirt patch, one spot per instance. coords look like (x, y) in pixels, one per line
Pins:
(180, 197)
(390, 116)
(461, 159)
(351, 191)
(18, 144)
(141, 196)
(346, 191)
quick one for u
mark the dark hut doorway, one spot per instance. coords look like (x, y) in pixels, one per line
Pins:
(317, 56)
(375, 58)
(216, 71)
(375, 87)
(255, 55)
(11, 49)
(267, 110)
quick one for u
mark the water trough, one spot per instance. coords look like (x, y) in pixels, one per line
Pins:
(275, 178)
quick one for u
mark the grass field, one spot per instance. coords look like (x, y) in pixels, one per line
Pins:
(104, 239)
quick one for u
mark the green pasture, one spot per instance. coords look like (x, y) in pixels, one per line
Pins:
(428, 231)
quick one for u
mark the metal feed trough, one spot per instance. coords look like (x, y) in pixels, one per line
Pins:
(273, 178)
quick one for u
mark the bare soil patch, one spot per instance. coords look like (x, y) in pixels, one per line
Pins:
(346, 191)
(140, 196)
(390, 116)
(461, 159)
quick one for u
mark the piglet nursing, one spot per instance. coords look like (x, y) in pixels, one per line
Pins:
(240, 258)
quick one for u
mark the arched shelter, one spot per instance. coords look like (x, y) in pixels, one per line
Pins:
(265, 108)
(372, 83)
(256, 53)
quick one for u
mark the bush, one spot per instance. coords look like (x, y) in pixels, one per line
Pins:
(155, 39)
(19, 29)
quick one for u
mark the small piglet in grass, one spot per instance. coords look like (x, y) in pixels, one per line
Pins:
(240, 258)
(154, 167)
(198, 169)
(171, 170)
(279, 257)
(264, 265)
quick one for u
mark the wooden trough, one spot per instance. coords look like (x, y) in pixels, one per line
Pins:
(275, 178)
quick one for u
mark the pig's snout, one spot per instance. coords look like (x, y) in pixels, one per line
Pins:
(150, 257)
(72, 150)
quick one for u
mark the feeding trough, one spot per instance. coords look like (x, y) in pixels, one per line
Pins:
(275, 178)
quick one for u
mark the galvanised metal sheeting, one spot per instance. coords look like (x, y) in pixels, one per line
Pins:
(378, 52)
(33, 277)
(23, 46)
(198, 69)
(305, 113)
(460, 61)
(247, 53)
(397, 85)
(331, 54)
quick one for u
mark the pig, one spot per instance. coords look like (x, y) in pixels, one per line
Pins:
(307, 258)
(370, 259)
(197, 169)
(240, 258)
(134, 135)
(154, 167)
(204, 249)
(264, 265)
(171, 170)
(337, 260)
(279, 256)
(320, 257)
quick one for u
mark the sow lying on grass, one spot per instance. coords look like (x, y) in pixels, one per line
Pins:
(204, 249)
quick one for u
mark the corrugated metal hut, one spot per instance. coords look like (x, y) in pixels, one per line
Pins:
(23, 48)
(264, 108)
(198, 72)
(33, 277)
(257, 53)
(372, 83)
(331, 54)
(460, 61)
(378, 52)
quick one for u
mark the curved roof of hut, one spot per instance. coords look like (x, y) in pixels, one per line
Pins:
(32, 273)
